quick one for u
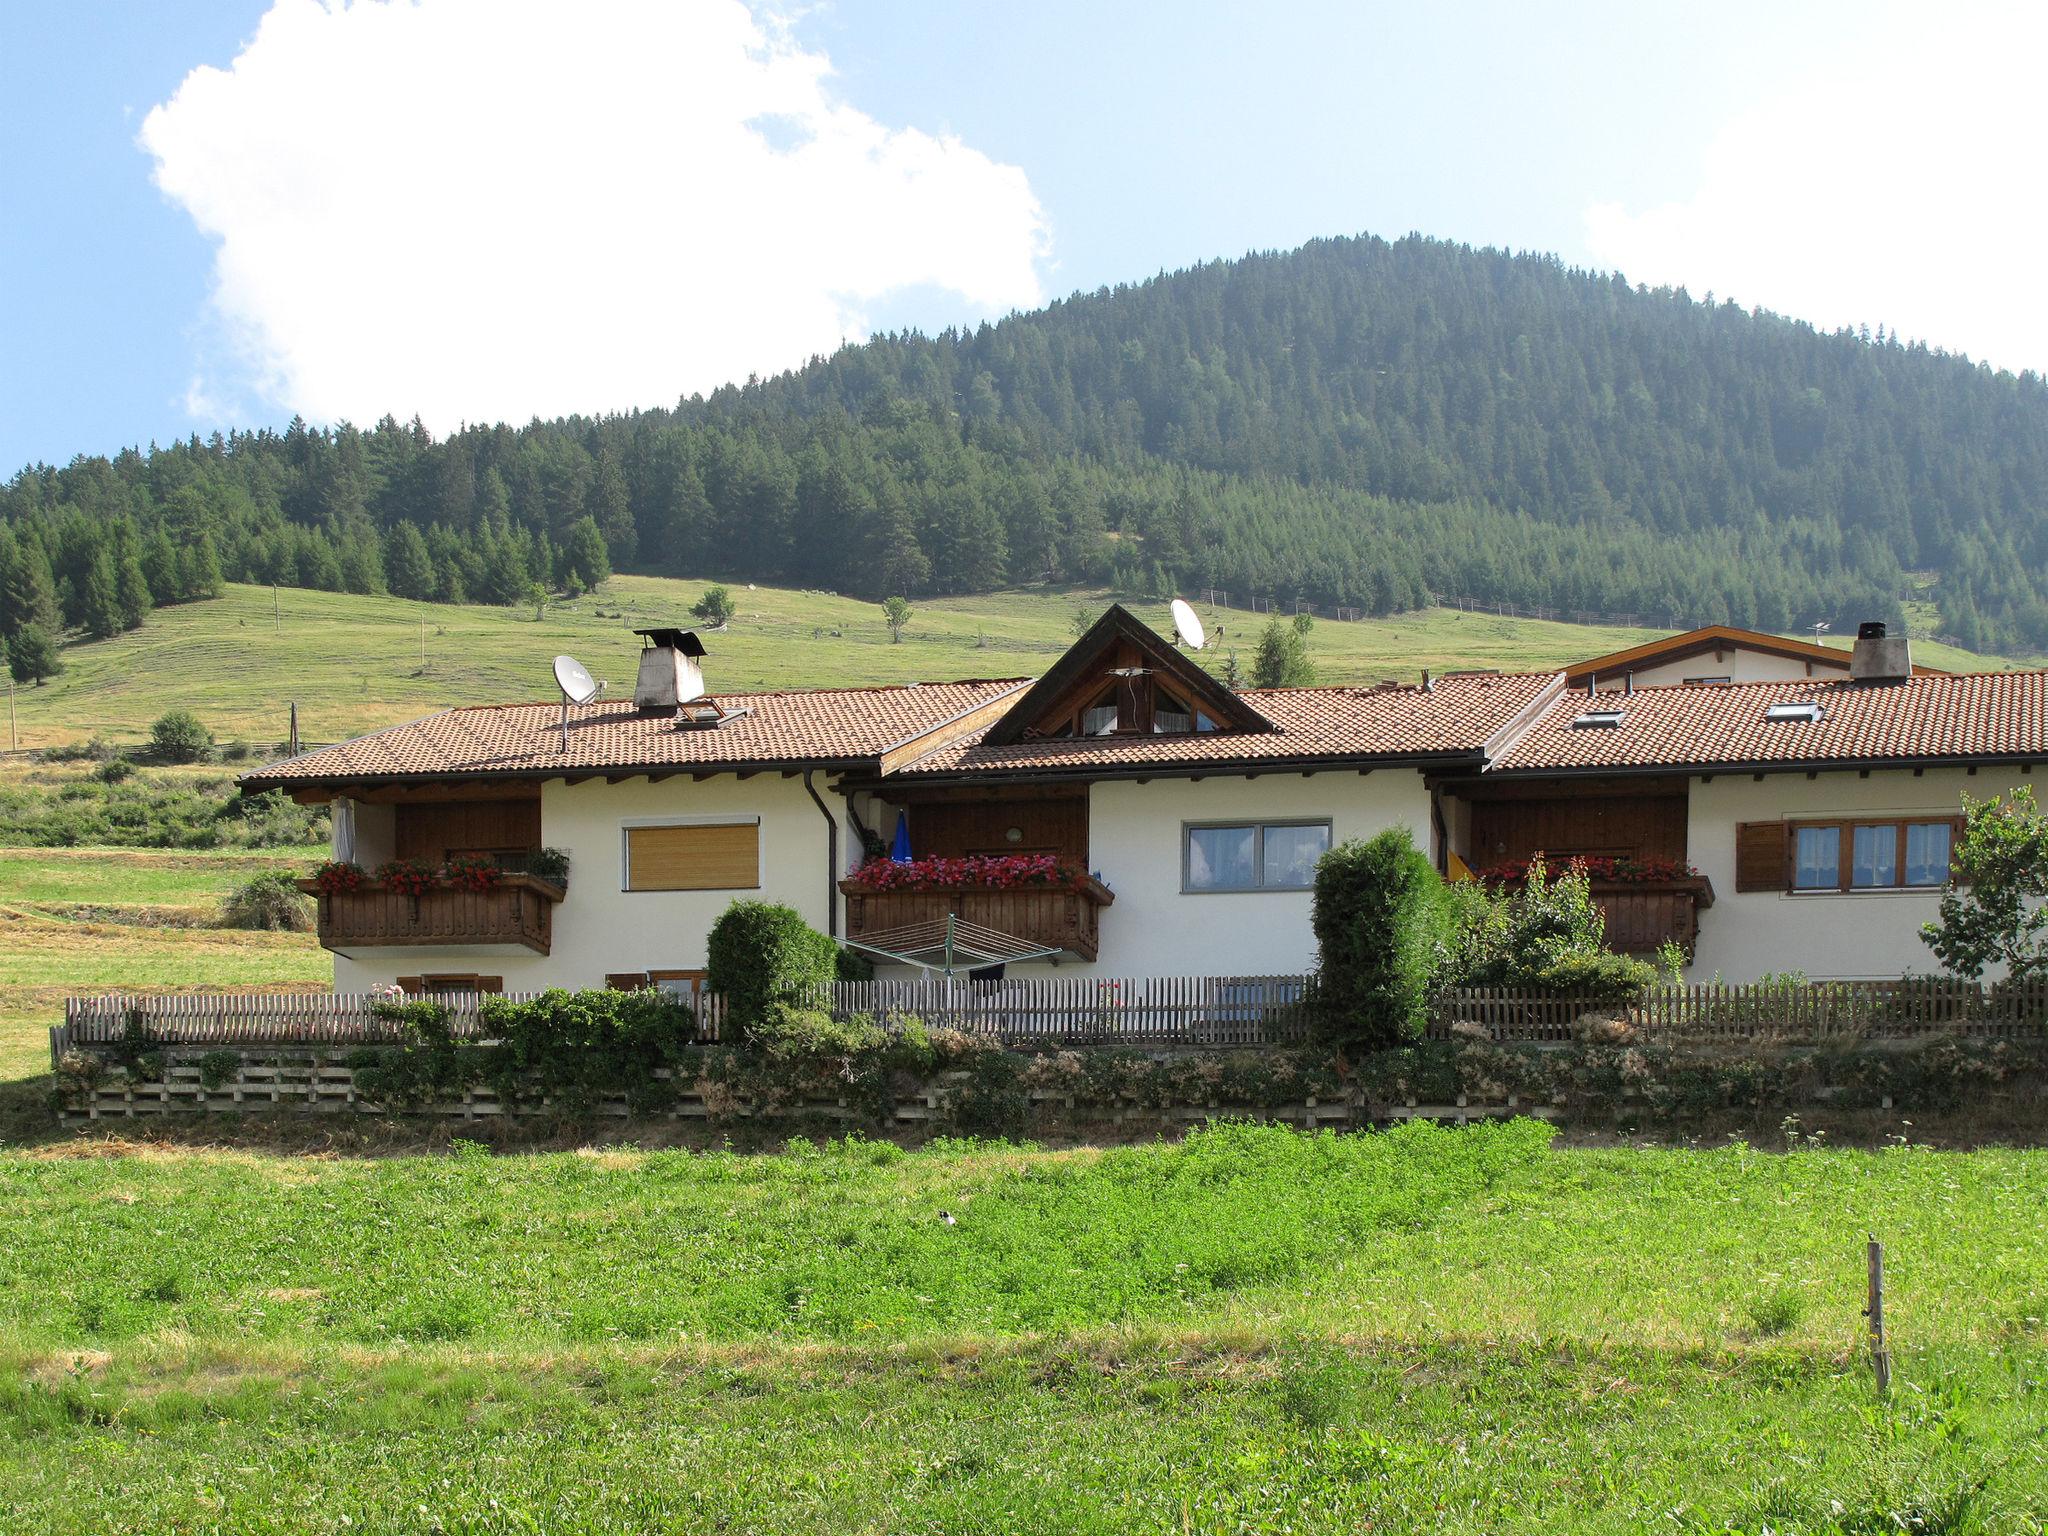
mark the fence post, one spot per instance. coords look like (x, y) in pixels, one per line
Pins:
(1880, 1348)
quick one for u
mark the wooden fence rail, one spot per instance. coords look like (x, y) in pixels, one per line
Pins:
(1212, 1012)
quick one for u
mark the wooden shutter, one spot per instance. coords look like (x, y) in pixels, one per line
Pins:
(1762, 856)
(724, 856)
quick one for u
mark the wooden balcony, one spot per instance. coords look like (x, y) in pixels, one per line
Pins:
(519, 910)
(1058, 917)
(1642, 916)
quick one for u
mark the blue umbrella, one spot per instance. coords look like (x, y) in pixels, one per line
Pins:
(899, 851)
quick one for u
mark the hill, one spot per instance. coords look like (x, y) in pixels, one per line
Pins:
(353, 663)
(1373, 425)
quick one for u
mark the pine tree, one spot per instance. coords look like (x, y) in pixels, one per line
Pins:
(99, 599)
(201, 566)
(131, 593)
(28, 591)
(584, 556)
(32, 655)
(408, 568)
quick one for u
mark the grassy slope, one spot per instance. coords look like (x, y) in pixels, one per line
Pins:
(353, 663)
(1256, 1331)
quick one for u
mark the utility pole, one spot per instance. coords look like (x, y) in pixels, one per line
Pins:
(13, 740)
(423, 642)
(276, 613)
(295, 729)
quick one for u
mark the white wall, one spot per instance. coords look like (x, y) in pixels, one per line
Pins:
(601, 928)
(1737, 665)
(1153, 929)
(1854, 935)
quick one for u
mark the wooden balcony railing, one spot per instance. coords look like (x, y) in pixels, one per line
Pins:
(1058, 917)
(1643, 915)
(519, 909)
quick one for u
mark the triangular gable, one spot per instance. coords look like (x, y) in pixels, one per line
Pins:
(1717, 638)
(1116, 645)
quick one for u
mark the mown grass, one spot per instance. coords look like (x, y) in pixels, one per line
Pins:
(123, 877)
(1426, 1329)
(354, 663)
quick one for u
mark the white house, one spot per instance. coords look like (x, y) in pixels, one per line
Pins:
(1801, 823)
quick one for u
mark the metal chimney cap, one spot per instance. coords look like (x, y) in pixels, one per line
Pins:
(1871, 629)
(684, 640)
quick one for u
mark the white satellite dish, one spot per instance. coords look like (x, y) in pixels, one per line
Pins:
(1187, 626)
(574, 679)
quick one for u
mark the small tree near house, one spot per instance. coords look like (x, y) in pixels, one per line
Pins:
(896, 611)
(1995, 909)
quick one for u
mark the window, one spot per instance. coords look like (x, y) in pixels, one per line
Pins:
(1804, 712)
(1871, 855)
(450, 985)
(1817, 859)
(1254, 856)
(1707, 682)
(693, 856)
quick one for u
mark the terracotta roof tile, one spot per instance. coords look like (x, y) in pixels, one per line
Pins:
(1461, 715)
(1946, 716)
(797, 727)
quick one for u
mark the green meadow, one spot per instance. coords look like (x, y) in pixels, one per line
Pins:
(1252, 1330)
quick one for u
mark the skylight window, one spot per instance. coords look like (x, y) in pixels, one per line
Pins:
(1804, 711)
(1598, 720)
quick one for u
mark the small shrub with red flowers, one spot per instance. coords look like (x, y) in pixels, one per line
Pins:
(408, 876)
(472, 874)
(1005, 871)
(338, 877)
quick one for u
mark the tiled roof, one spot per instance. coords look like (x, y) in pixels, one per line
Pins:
(795, 728)
(1460, 715)
(1945, 716)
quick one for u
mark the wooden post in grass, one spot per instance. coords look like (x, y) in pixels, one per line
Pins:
(1880, 1351)
(295, 730)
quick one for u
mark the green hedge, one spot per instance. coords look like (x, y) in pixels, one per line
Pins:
(761, 954)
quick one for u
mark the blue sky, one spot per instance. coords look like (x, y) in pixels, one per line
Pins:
(495, 208)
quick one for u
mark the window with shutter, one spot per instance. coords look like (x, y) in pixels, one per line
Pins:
(1760, 856)
(694, 856)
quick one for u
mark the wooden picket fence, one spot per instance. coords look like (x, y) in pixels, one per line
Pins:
(1206, 1012)
(1817, 1010)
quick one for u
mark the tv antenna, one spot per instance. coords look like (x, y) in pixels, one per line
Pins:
(578, 687)
(1819, 628)
(1187, 625)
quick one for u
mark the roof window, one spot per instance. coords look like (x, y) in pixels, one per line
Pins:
(1802, 711)
(1597, 720)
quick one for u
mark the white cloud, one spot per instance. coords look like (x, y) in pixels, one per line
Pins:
(495, 209)
(1898, 184)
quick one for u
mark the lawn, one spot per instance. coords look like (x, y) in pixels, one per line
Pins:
(1253, 1330)
(355, 663)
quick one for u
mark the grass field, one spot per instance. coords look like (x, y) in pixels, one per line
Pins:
(1254, 1330)
(101, 919)
(354, 663)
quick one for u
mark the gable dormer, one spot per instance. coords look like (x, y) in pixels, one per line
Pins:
(1123, 679)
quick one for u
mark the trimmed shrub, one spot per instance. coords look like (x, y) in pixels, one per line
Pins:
(1379, 926)
(761, 953)
(273, 901)
(179, 737)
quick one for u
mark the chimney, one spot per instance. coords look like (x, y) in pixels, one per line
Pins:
(1879, 658)
(670, 675)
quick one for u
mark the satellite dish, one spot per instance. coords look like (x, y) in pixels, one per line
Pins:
(574, 679)
(1187, 626)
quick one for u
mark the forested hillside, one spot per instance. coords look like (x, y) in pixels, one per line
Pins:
(1356, 423)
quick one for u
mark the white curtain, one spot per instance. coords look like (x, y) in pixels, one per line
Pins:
(344, 830)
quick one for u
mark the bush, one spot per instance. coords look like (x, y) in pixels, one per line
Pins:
(114, 770)
(273, 902)
(761, 954)
(1547, 936)
(1379, 926)
(179, 737)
